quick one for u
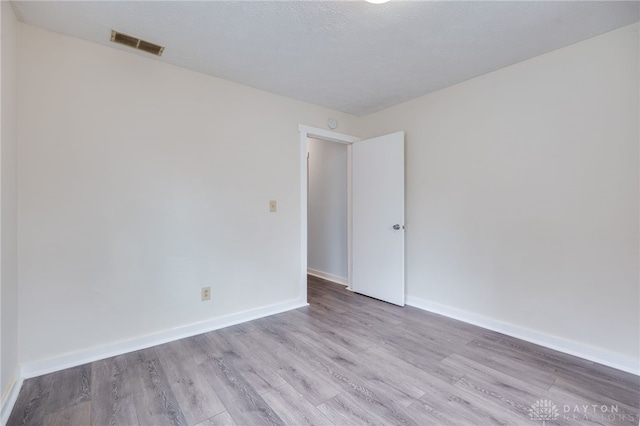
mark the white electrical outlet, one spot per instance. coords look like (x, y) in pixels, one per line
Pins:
(273, 206)
(205, 293)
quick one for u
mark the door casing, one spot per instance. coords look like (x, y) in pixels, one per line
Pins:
(327, 135)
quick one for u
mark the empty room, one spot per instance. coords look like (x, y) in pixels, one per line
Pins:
(319, 212)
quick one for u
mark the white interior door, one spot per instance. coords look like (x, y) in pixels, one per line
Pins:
(378, 218)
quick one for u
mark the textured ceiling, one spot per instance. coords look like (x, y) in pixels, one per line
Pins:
(352, 56)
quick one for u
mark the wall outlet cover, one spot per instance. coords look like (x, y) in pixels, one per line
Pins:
(205, 293)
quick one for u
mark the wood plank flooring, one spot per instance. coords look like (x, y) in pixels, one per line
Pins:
(344, 360)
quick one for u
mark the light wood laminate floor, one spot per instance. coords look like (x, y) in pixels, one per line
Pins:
(344, 360)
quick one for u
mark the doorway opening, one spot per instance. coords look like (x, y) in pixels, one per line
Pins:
(319, 137)
(327, 210)
(375, 213)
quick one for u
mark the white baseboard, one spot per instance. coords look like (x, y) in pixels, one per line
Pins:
(50, 365)
(329, 277)
(11, 396)
(598, 355)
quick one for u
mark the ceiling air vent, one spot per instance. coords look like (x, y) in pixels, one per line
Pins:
(136, 43)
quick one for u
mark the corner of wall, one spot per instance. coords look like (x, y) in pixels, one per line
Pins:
(8, 201)
(10, 397)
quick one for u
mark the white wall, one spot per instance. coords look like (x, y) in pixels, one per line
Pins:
(522, 193)
(327, 213)
(139, 183)
(8, 202)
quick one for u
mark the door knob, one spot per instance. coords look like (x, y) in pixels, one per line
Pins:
(396, 227)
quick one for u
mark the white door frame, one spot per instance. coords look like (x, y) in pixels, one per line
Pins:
(327, 135)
